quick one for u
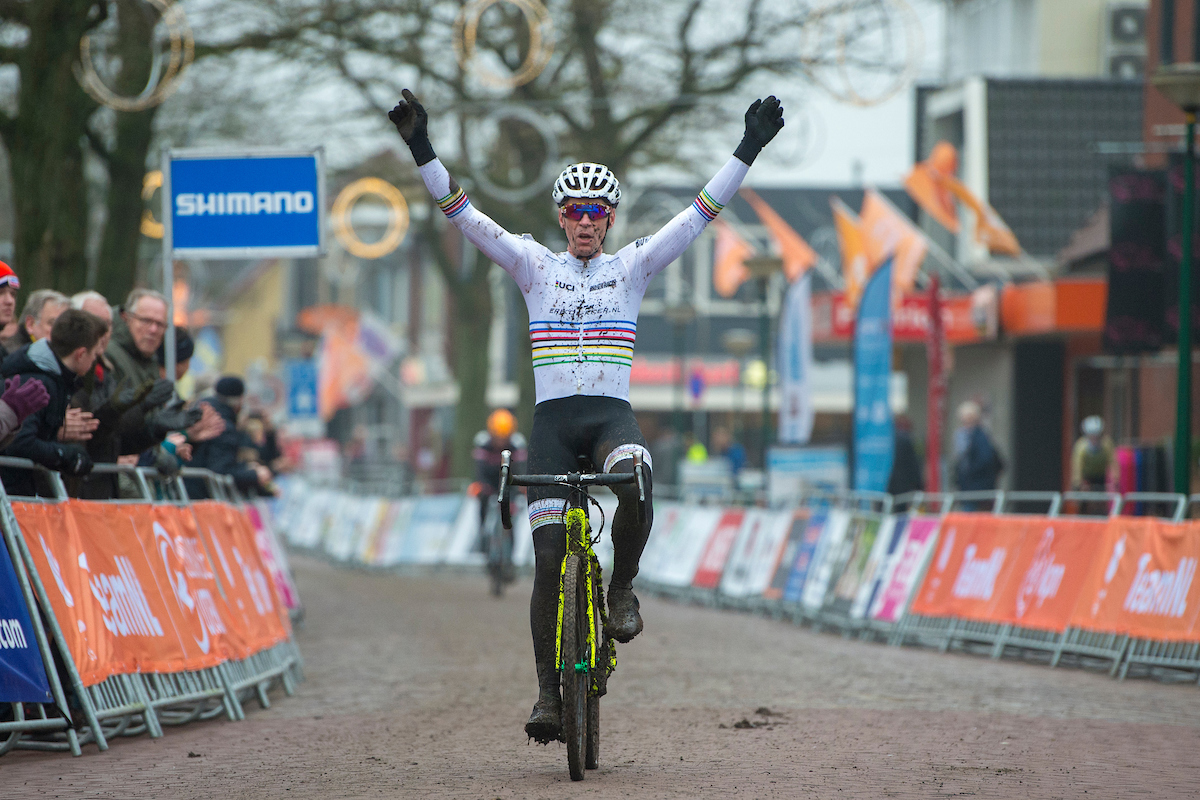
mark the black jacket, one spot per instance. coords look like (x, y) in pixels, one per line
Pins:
(37, 438)
(221, 454)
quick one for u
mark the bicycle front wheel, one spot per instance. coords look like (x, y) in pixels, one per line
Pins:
(574, 665)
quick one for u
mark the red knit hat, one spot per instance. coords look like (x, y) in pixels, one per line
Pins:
(8, 277)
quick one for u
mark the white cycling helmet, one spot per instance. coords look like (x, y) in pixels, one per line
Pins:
(587, 181)
(1093, 426)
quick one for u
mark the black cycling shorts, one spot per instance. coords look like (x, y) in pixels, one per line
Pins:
(601, 428)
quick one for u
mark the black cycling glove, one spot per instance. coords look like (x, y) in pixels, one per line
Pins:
(166, 420)
(412, 123)
(73, 460)
(764, 119)
(162, 391)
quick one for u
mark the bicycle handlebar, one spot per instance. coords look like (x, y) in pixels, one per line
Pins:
(573, 479)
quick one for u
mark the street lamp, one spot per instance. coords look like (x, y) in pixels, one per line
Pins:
(762, 268)
(738, 343)
(1180, 83)
(680, 316)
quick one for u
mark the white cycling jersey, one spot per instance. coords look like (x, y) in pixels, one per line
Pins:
(582, 313)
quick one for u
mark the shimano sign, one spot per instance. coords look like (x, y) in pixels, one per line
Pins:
(243, 205)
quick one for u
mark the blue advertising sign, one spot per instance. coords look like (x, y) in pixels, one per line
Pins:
(301, 379)
(243, 205)
(22, 673)
(873, 434)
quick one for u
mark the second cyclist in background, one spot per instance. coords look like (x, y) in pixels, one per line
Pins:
(501, 434)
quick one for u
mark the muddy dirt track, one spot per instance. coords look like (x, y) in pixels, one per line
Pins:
(420, 686)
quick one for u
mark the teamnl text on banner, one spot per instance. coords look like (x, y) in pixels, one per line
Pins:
(133, 588)
(1143, 581)
(22, 673)
(1020, 570)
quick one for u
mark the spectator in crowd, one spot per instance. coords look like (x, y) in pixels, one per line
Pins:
(1092, 462)
(18, 401)
(977, 462)
(37, 318)
(102, 401)
(729, 448)
(57, 362)
(220, 454)
(137, 335)
(906, 466)
(265, 440)
(10, 284)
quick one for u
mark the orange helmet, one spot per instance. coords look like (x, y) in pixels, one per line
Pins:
(501, 423)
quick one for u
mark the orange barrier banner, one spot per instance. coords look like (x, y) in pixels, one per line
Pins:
(1143, 582)
(133, 588)
(252, 596)
(974, 559)
(1049, 571)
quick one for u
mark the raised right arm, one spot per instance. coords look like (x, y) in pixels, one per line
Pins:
(502, 247)
(509, 251)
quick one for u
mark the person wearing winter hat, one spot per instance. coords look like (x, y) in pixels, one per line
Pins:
(10, 284)
(220, 454)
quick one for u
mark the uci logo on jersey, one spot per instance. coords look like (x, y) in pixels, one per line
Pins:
(570, 287)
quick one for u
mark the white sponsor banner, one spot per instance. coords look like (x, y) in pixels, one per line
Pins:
(685, 542)
(795, 363)
(754, 554)
(827, 556)
(886, 541)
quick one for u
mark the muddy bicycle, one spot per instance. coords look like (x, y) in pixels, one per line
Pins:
(584, 654)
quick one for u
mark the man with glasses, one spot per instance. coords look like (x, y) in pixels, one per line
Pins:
(583, 308)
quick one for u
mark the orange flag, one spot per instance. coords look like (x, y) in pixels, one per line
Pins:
(731, 252)
(798, 257)
(990, 229)
(924, 185)
(888, 232)
(856, 265)
(343, 374)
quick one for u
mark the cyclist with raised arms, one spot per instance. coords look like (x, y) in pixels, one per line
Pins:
(583, 308)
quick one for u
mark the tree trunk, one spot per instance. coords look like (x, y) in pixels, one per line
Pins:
(45, 148)
(117, 267)
(471, 329)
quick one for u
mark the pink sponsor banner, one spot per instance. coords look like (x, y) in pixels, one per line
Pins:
(905, 569)
(272, 555)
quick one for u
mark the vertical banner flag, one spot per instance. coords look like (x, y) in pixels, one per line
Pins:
(935, 352)
(22, 673)
(855, 261)
(795, 363)
(886, 232)
(729, 259)
(873, 434)
(798, 256)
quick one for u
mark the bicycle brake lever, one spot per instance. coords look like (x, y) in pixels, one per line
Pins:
(502, 498)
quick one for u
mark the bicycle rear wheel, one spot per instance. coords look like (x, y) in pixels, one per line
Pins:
(574, 665)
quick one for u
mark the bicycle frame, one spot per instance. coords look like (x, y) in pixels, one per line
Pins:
(578, 531)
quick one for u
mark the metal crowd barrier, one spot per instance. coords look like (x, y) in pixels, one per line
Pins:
(129, 704)
(1121, 654)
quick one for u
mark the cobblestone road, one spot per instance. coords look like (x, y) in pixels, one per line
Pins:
(419, 687)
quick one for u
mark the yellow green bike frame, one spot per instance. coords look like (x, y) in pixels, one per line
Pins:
(579, 542)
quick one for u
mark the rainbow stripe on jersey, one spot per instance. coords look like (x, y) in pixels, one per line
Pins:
(706, 205)
(454, 203)
(605, 341)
